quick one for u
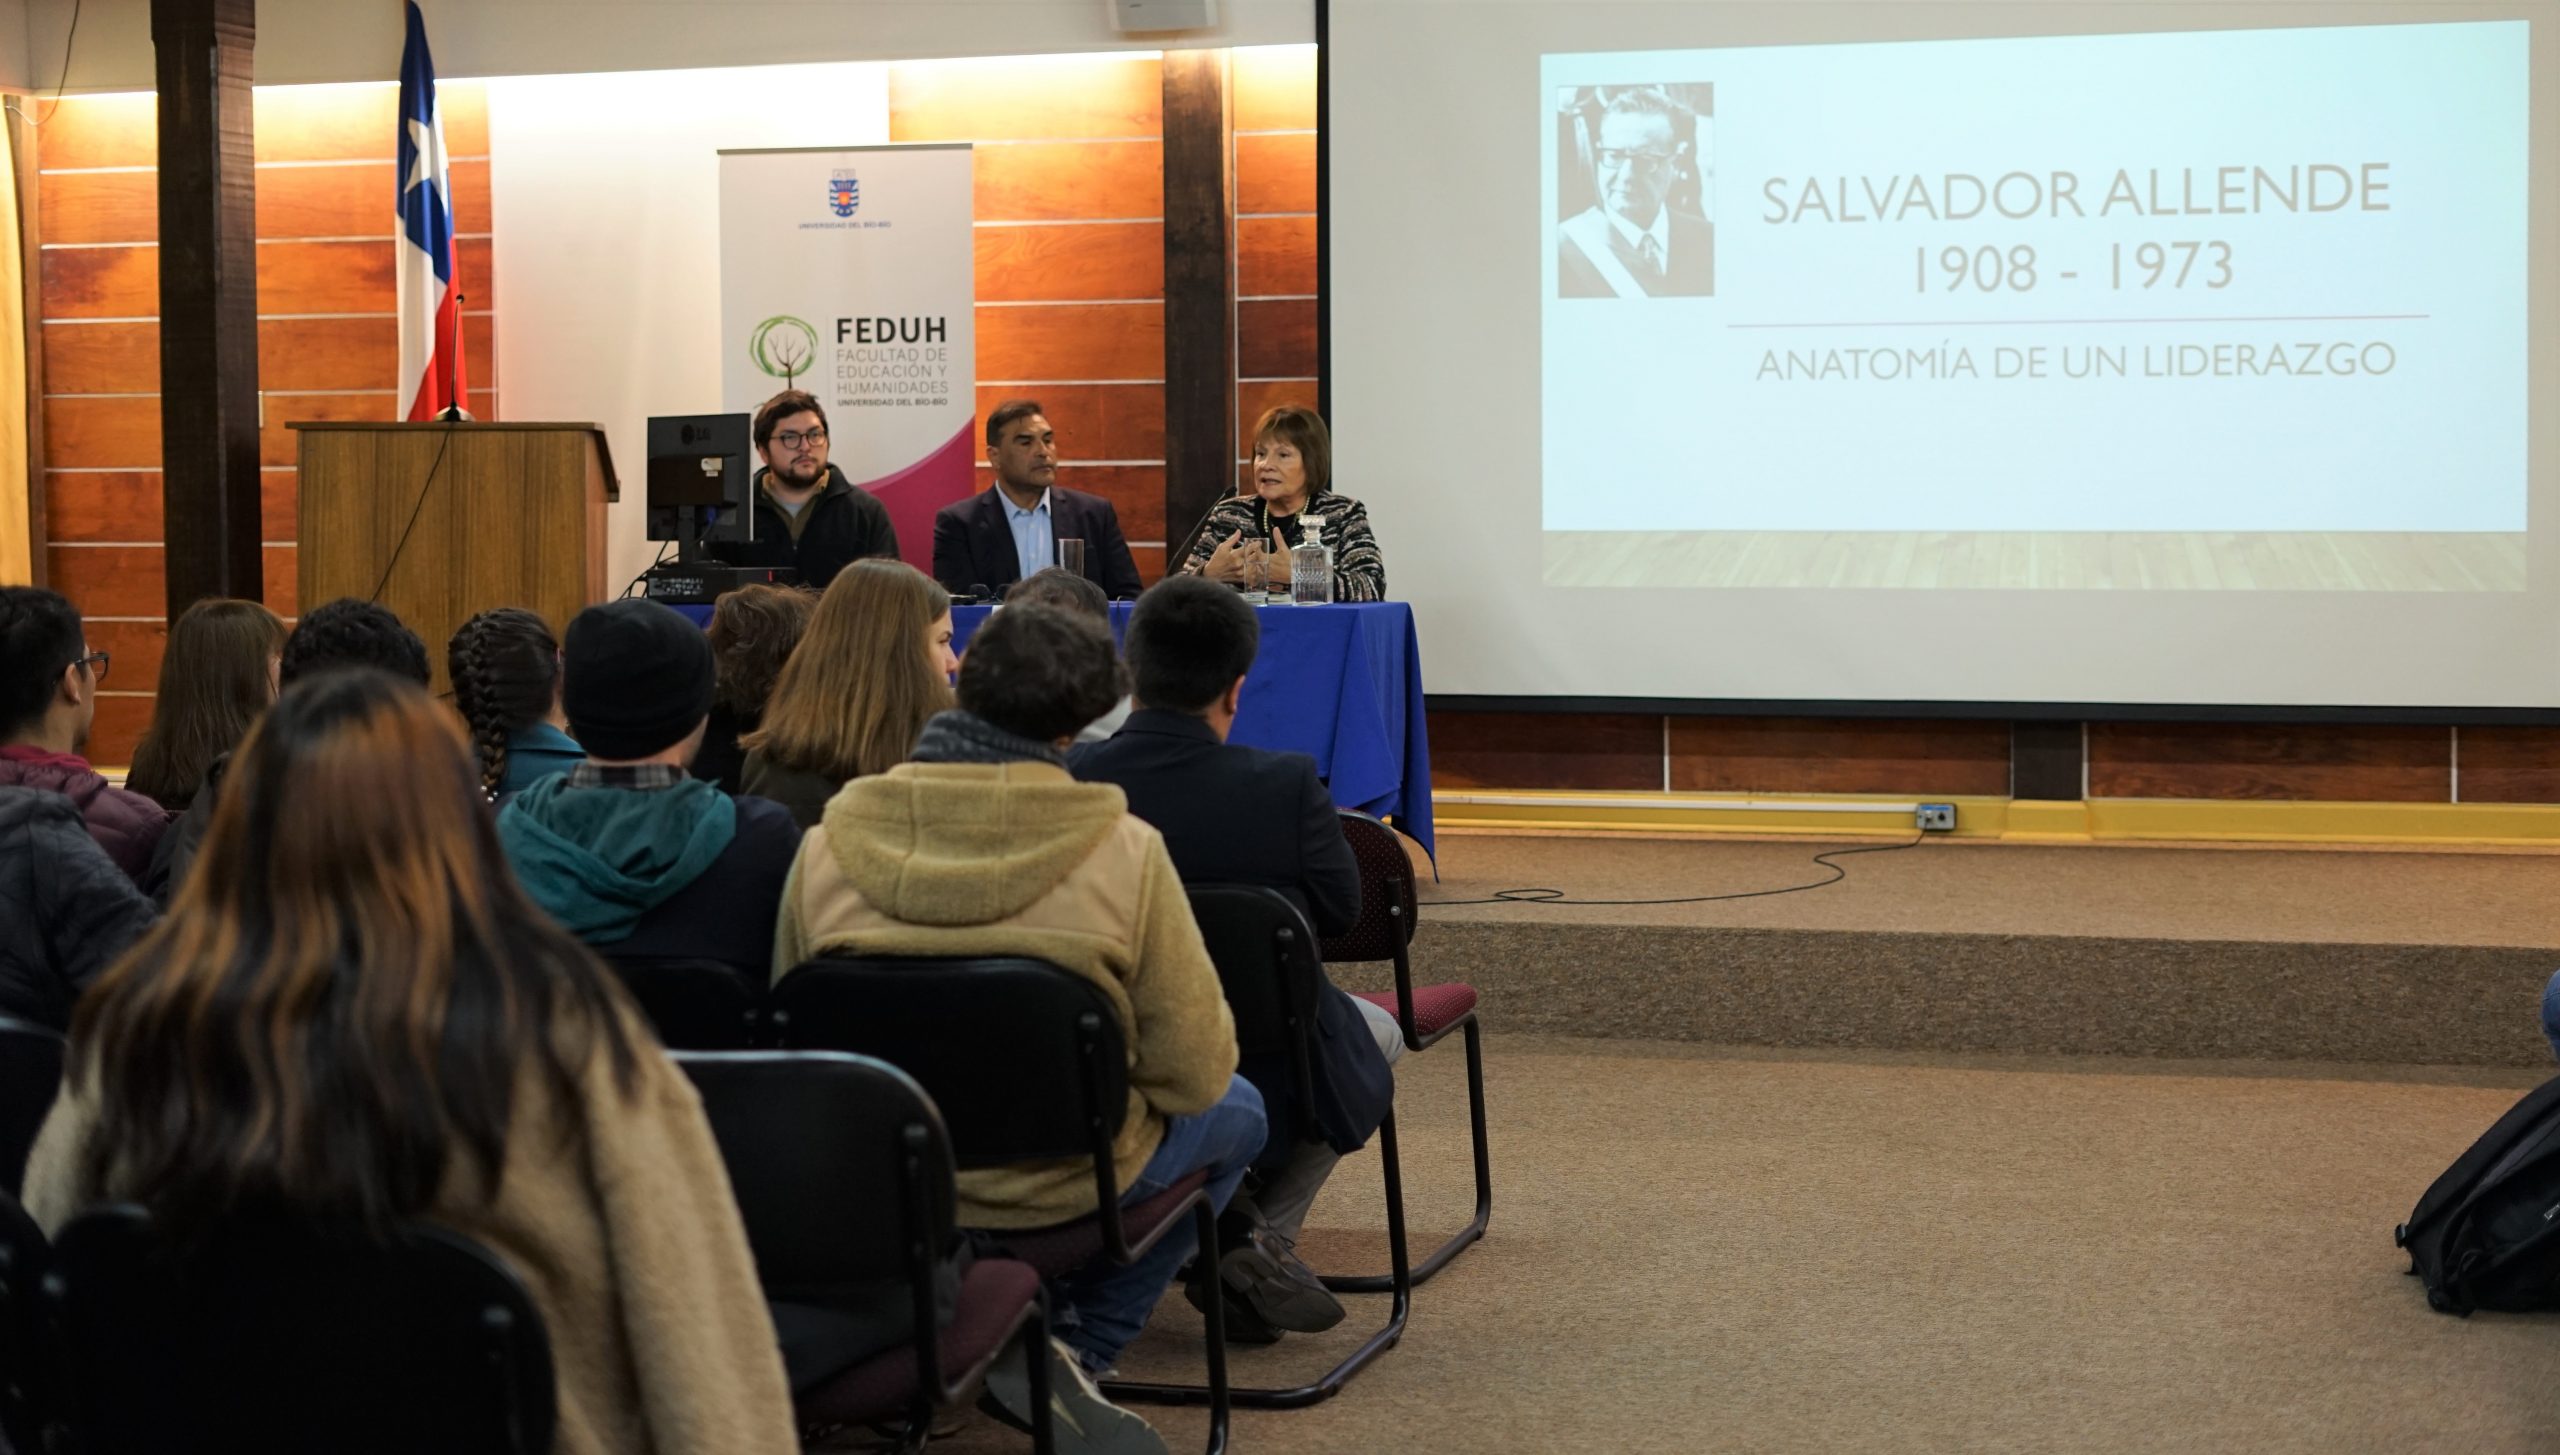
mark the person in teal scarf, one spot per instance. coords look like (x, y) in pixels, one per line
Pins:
(627, 850)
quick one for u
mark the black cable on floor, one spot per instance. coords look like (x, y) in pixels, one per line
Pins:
(1557, 896)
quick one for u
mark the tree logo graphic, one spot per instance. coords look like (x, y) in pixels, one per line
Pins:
(783, 346)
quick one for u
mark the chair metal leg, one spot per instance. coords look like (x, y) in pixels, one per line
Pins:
(1330, 1384)
(1457, 1243)
(1035, 1350)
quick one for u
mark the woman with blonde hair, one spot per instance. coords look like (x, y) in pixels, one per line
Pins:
(874, 664)
(354, 1016)
(217, 674)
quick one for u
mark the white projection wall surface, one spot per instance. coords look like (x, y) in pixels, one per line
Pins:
(1956, 352)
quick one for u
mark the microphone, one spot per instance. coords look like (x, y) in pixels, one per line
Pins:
(1173, 562)
(453, 412)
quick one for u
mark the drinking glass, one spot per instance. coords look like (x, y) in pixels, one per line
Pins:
(1071, 555)
(1257, 570)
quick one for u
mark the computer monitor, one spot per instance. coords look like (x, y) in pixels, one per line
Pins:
(700, 473)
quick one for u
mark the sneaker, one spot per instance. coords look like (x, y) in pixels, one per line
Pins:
(1243, 1325)
(1083, 1421)
(1263, 1272)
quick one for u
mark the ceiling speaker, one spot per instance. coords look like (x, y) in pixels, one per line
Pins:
(1163, 14)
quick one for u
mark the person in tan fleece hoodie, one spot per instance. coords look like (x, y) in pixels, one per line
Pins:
(422, 1044)
(985, 846)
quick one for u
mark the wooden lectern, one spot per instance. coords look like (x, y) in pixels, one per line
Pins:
(493, 515)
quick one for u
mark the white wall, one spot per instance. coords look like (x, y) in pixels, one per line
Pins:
(605, 193)
(359, 40)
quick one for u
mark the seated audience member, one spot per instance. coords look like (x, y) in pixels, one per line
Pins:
(505, 669)
(48, 698)
(400, 1034)
(808, 515)
(907, 865)
(753, 630)
(217, 674)
(630, 852)
(336, 635)
(1009, 533)
(69, 909)
(1237, 815)
(874, 664)
(1292, 484)
(1069, 592)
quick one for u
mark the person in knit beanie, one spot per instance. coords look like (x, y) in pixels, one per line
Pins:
(627, 850)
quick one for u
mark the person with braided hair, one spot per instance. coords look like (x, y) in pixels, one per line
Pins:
(505, 666)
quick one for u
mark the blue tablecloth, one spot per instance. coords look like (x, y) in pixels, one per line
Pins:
(1342, 684)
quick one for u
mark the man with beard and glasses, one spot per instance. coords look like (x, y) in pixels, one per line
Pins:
(808, 515)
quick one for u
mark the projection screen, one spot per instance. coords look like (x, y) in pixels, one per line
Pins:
(1955, 352)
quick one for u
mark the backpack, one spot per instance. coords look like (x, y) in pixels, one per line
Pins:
(2487, 1234)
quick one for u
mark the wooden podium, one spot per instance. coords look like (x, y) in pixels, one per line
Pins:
(504, 515)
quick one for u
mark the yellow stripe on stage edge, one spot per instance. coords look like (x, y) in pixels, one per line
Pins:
(2008, 820)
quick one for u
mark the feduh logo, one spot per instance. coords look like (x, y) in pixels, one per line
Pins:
(844, 194)
(784, 347)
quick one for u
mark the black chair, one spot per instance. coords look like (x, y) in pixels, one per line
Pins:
(696, 1005)
(30, 1379)
(1426, 1014)
(275, 1336)
(1064, 1092)
(843, 1172)
(30, 1076)
(1265, 953)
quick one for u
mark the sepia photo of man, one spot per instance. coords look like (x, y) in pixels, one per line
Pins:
(1633, 193)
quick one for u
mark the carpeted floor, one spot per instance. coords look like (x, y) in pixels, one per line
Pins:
(1700, 1249)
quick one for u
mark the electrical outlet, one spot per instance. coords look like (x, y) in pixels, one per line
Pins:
(1937, 818)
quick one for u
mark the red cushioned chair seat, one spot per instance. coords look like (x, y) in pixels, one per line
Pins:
(1061, 1249)
(1435, 1007)
(993, 1294)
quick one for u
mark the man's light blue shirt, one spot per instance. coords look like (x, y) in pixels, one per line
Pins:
(1035, 546)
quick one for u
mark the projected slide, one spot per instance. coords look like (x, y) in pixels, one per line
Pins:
(2199, 311)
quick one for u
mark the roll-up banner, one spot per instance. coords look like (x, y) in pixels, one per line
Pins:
(850, 272)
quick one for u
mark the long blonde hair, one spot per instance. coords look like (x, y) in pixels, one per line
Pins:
(859, 686)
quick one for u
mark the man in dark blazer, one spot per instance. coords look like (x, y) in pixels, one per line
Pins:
(1231, 814)
(1010, 533)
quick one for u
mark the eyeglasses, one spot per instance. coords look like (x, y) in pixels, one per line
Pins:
(1622, 157)
(96, 662)
(792, 439)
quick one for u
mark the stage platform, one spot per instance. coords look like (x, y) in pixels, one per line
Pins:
(2434, 957)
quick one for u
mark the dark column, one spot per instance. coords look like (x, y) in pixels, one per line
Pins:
(2045, 760)
(208, 300)
(1199, 289)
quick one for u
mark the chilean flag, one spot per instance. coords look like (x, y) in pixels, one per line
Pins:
(431, 372)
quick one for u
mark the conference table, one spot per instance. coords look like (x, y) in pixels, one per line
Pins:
(1341, 684)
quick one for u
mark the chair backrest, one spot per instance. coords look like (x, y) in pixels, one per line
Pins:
(696, 1005)
(1387, 894)
(1265, 952)
(30, 1075)
(30, 1377)
(815, 1142)
(276, 1336)
(1025, 1060)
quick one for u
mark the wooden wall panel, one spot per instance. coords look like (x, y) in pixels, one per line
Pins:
(124, 506)
(2250, 760)
(1093, 421)
(1276, 257)
(1045, 263)
(1276, 173)
(294, 354)
(134, 648)
(107, 580)
(348, 200)
(1042, 98)
(119, 723)
(101, 131)
(2509, 765)
(1087, 341)
(102, 433)
(1275, 88)
(1494, 750)
(1066, 181)
(1838, 755)
(1276, 338)
(110, 282)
